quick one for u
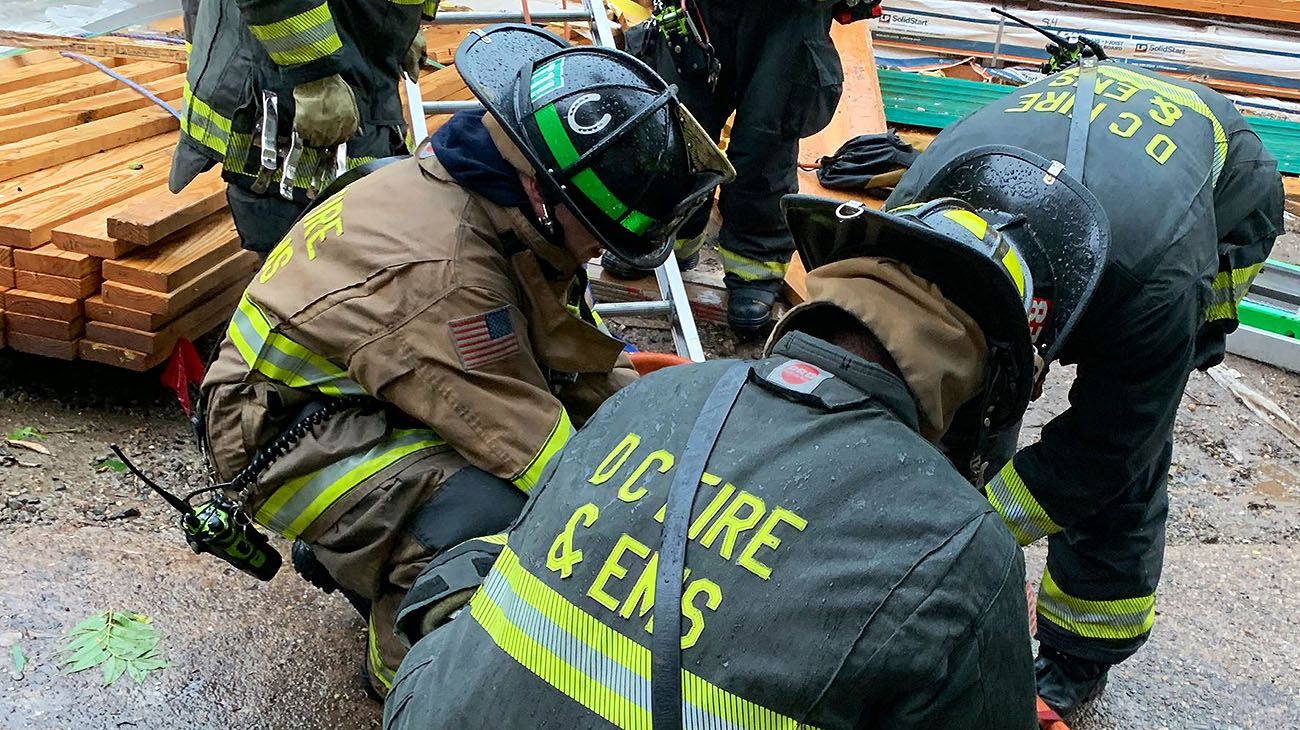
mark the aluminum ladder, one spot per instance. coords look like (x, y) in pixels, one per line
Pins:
(674, 305)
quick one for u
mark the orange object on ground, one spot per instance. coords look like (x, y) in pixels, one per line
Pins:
(1048, 719)
(648, 362)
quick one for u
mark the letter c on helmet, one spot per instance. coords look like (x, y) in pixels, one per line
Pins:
(581, 128)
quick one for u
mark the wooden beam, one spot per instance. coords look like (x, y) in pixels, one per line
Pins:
(56, 69)
(207, 316)
(238, 268)
(103, 46)
(47, 150)
(6, 257)
(6, 277)
(42, 305)
(80, 87)
(1272, 11)
(24, 59)
(150, 217)
(28, 223)
(58, 285)
(55, 261)
(46, 346)
(89, 234)
(101, 311)
(33, 123)
(119, 356)
(182, 256)
(54, 329)
(25, 186)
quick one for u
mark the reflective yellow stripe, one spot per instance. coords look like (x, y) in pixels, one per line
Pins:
(498, 539)
(200, 123)
(560, 434)
(687, 247)
(751, 269)
(1024, 516)
(592, 663)
(1228, 289)
(1125, 618)
(292, 508)
(280, 358)
(380, 671)
(1183, 97)
(301, 38)
(968, 220)
(1011, 262)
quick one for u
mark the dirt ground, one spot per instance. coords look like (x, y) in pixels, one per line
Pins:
(1225, 652)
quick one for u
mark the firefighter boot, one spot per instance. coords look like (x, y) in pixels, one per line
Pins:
(1066, 682)
(749, 307)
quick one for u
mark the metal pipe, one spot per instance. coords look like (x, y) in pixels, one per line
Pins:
(634, 309)
(490, 17)
(450, 107)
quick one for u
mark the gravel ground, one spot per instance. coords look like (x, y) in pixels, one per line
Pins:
(1225, 652)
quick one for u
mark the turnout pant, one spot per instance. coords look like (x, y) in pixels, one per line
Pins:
(781, 76)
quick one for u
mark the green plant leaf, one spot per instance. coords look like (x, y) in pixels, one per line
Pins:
(95, 623)
(86, 658)
(26, 433)
(20, 659)
(110, 463)
(113, 668)
(150, 663)
(137, 672)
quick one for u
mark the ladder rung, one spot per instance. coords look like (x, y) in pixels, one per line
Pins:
(579, 15)
(449, 107)
(634, 309)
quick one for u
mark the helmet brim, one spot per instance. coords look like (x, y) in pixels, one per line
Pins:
(827, 230)
(1070, 229)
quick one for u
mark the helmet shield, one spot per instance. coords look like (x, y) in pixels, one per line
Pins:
(605, 134)
(971, 265)
(1059, 226)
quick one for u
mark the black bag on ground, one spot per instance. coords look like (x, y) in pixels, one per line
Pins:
(867, 162)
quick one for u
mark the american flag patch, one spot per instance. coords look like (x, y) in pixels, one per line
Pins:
(484, 338)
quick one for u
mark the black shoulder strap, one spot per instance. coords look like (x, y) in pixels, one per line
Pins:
(1085, 91)
(666, 642)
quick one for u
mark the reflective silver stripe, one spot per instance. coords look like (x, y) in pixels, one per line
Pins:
(264, 354)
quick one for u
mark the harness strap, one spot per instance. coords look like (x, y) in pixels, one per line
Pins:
(1085, 91)
(666, 642)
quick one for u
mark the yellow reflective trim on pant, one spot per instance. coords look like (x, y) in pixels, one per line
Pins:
(592, 663)
(200, 123)
(1023, 515)
(381, 672)
(751, 269)
(560, 434)
(302, 38)
(280, 358)
(1183, 97)
(1228, 289)
(1125, 618)
(688, 247)
(497, 539)
(291, 509)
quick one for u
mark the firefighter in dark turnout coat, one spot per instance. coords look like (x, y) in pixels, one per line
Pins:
(1194, 203)
(839, 572)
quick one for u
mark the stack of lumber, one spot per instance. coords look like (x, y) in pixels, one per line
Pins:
(98, 259)
(1272, 11)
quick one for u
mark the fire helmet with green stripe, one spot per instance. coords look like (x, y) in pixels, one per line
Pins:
(605, 134)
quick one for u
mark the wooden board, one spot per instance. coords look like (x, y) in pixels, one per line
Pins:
(120, 357)
(36, 122)
(41, 305)
(57, 92)
(238, 268)
(152, 216)
(56, 261)
(89, 234)
(1275, 11)
(55, 329)
(28, 223)
(207, 316)
(101, 311)
(35, 345)
(6, 257)
(6, 277)
(47, 150)
(33, 183)
(58, 285)
(30, 75)
(182, 256)
(23, 59)
(102, 46)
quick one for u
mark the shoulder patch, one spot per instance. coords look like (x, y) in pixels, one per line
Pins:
(484, 338)
(798, 376)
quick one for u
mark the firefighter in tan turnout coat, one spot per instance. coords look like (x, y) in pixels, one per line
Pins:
(420, 345)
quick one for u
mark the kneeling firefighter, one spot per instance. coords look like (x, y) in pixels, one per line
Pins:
(418, 349)
(835, 570)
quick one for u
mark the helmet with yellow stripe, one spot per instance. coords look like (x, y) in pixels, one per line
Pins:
(605, 134)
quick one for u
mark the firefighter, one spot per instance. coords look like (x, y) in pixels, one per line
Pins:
(420, 346)
(325, 70)
(839, 572)
(778, 71)
(1193, 203)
